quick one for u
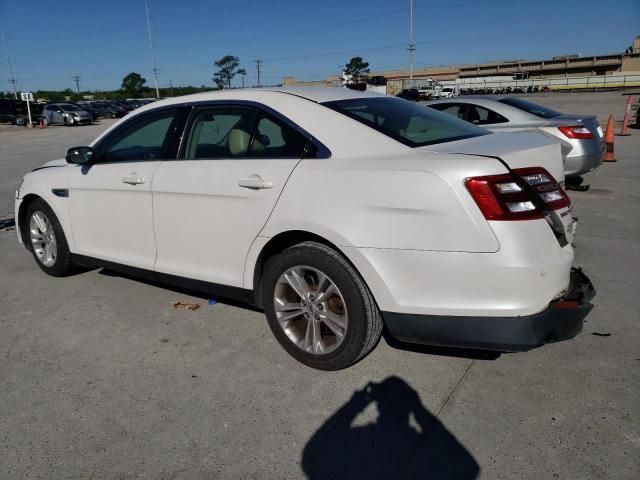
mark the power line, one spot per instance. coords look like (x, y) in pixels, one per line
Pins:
(12, 80)
(153, 57)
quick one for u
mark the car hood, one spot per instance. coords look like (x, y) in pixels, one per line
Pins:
(517, 149)
(61, 162)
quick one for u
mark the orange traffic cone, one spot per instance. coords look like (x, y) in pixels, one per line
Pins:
(42, 125)
(624, 132)
(608, 139)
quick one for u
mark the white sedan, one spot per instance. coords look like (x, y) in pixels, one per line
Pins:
(335, 211)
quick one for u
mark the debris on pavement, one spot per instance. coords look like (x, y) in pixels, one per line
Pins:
(212, 301)
(188, 306)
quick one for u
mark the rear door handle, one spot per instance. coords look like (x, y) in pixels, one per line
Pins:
(133, 179)
(255, 182)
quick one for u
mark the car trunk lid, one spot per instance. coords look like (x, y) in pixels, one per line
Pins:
(515, 149)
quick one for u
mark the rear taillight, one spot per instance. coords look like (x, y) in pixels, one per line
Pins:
(578, 132)
(512, 196)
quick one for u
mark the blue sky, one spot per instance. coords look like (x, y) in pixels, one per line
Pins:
(101, 41)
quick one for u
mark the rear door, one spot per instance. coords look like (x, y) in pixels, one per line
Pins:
(210, 205)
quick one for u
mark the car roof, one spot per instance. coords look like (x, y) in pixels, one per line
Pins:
(314, 94)
(492, 102)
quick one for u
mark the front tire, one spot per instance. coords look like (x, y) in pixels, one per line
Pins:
(47, 241)
(318, 307)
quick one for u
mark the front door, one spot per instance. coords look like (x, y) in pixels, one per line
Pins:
(110, 201)
(210, 205)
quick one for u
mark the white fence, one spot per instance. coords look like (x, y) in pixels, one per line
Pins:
(564, 83)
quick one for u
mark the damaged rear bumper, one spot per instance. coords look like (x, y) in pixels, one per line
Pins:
(562, 320)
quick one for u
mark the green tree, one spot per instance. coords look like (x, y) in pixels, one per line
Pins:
(133, 85)
(358, 69)
(242, 72)
(227, 69)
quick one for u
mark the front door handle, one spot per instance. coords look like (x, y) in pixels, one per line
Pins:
(255, 182)
(133, 179)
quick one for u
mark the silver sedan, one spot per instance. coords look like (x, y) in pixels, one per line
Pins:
(581, 135)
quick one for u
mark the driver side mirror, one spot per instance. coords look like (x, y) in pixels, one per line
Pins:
(80, 155)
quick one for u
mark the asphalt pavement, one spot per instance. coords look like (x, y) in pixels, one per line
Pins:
(101, 378)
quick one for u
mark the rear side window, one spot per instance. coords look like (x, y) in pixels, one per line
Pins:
(274, 139)
(243, 132)
(532, 108)
(221, 132)
(411, 124)
(483, 116)
(453, 109)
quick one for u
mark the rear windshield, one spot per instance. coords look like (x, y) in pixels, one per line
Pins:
(407, 122)
(532, 108)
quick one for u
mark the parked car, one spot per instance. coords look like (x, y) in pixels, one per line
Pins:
(581, 135)
(89, 108)
(411, 94)
(15, 111)
(446, 92)
(109, 110)
(335, 211)
(65, 114)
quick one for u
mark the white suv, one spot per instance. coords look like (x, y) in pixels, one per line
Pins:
(335, 211)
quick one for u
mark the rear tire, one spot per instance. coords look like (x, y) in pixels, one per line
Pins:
(47, 242)
(20, 121)
(347, 324)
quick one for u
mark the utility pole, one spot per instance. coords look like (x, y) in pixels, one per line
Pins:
(258, 63)
(153, 57)
(12, 80)
(171, 88)
(76, 79)
(412, 46)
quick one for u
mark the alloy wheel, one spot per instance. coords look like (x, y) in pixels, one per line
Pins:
(43, 238)
(310, 310)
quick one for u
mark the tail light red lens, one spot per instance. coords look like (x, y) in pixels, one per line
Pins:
(506, 197)
(577, 131)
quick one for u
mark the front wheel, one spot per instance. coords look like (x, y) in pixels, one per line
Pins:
(20, 121)
(46, 238)
(319, 308)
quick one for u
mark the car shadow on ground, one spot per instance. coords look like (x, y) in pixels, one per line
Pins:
(183, 291)
(405, 441)
(392, 342)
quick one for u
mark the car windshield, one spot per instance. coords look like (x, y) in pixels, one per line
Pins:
(69, 108)
(532, 108)
(407, 122)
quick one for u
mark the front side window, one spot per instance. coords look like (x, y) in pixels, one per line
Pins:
(139, 139)
(70, 108)
(409, 123)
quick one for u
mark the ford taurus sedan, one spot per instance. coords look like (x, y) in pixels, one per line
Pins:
(335, 211)
(581, 135)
